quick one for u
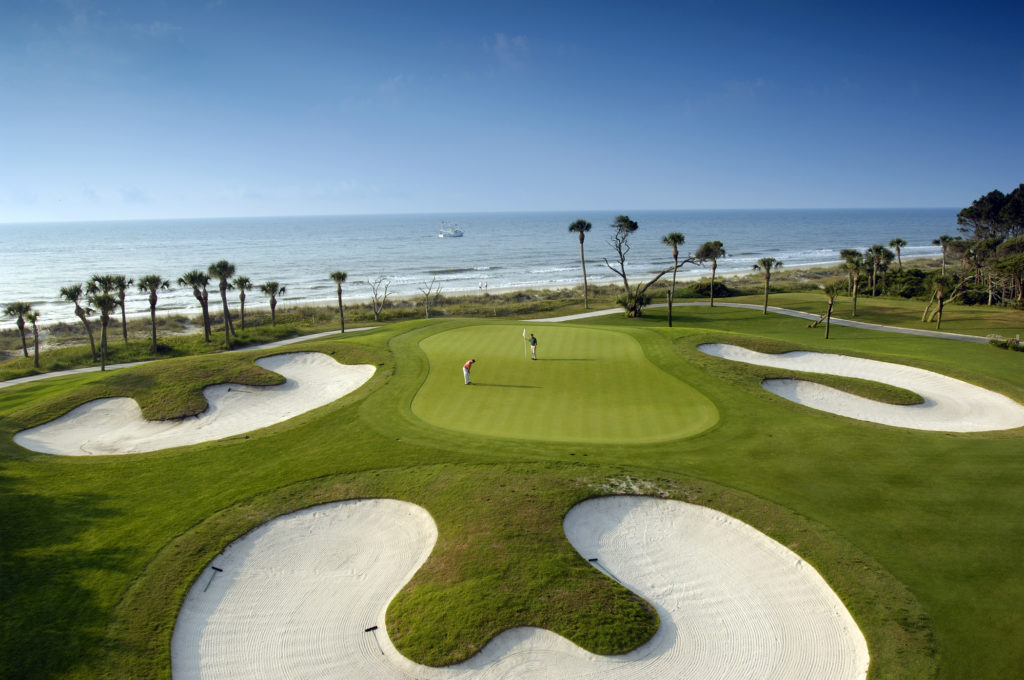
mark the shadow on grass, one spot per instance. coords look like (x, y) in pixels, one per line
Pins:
(520, 387)
(52, 621)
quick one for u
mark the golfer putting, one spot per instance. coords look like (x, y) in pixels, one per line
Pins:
(465, 370)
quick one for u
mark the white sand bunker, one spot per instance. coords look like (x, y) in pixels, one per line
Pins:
(950, 405)
(113, 426)
(294, 599)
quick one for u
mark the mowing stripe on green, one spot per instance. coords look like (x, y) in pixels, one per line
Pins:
(587, 385)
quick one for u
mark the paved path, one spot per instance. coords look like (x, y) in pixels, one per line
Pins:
(114, 367)
(572, 317)
(789, 312)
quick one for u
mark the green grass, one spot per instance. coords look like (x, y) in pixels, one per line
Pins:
(587, 385)
(918, 532)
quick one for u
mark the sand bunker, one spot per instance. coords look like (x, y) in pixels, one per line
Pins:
(294, 599)
(114, 426)
(950, 405)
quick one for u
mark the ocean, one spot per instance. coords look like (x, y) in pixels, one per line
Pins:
(498, 250)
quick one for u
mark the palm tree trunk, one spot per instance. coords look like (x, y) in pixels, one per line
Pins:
(80, 313)
(767, 281)
(938, 322)
(21, 329)
(273, 311)
(856, 285)
(35, 338)
(104, 322)
(124, 322)
(241, 299)
(227, 315)
(714, 266)
(152, 317)
(828, 316)
(583, 264)
(341, 309)
(672, 293)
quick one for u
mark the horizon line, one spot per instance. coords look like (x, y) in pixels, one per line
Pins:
(453, 212)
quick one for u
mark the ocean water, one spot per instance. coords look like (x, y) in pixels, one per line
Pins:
(498, 250)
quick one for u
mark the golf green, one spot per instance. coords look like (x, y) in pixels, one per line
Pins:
(587, 385)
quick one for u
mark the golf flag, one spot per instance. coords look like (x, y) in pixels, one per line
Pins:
(525, 351)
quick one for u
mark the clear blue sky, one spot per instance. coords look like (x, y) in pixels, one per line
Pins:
(124, 110)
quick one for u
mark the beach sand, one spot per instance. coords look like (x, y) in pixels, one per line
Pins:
(116, 426)
(296, 597)
(950, 405)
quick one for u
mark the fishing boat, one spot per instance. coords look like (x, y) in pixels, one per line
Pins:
(449, 230)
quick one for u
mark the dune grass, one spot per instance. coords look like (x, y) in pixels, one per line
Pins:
(917, 532)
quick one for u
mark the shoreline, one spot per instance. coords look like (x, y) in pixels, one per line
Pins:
(193, 315)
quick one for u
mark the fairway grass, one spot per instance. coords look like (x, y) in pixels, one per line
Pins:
(587, 385)
(917, 532)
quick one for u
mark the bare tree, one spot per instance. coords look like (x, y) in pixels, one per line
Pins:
(431, 295)
(379, 293)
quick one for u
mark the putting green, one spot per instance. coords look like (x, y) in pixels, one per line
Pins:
(586, 386)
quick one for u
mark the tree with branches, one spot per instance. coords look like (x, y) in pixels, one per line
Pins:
(634, 298)
(379, 294)
(431, 294)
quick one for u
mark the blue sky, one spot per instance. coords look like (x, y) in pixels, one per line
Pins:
(129, 110)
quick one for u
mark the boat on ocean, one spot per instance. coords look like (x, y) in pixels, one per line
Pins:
(449, 230)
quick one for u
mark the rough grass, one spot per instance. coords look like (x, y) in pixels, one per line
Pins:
(918, 532)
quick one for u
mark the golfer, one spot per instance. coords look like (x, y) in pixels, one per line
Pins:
(533, 346)
(465, 369)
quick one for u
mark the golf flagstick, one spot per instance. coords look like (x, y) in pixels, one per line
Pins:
(526, 351)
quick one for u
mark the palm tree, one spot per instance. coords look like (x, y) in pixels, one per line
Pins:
(581, 227)
(944, 242)
(767, 265)
(242, 284)
(32, 317)
(847, 255)
(224, 270)
(273, 289)
(73, 294)
(896, 244)
(151, 283)
(19, 310)
(711, 250)
(340, 278)
(673, 240)
(874, 256)
(121, 284)
(198, 281)
(104, 303)
(855, 267)
(832, 290)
